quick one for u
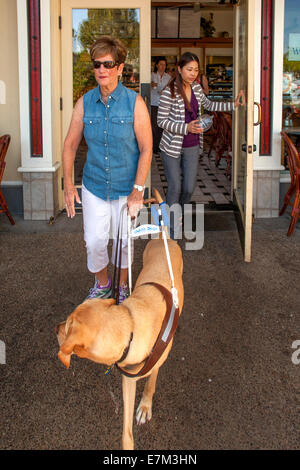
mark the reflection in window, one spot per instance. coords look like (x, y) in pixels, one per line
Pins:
(88, 25)
(291, 64)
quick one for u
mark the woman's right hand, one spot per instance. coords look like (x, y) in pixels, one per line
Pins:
(70, 193)
(194, 127)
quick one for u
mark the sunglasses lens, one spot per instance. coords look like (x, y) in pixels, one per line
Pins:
(108, 64)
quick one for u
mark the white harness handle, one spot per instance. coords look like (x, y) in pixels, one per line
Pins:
(145, 230)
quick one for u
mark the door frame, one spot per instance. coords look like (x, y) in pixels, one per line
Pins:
(244, 214)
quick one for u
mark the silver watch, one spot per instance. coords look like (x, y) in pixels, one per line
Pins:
(138, 187)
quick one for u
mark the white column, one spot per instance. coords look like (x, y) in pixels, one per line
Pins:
(24, 82)
(39, 174)
(273, 161)
(29, 164)
(46, 81)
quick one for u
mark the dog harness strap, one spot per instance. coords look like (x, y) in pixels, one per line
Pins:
(115, 287)
(118, 258)
(167, 332)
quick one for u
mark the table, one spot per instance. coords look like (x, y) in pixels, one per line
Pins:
(292, 130)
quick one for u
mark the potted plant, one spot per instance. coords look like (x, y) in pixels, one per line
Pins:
(207, 26)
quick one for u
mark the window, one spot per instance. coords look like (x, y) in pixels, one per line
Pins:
(291, 64)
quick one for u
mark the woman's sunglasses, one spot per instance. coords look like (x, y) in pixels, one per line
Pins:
(108, 64)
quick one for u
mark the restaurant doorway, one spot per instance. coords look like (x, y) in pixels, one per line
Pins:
(138, 26)
(223, 184)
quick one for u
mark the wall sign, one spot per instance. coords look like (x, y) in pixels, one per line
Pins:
(294, 47)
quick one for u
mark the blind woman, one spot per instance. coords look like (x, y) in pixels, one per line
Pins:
(116, 125)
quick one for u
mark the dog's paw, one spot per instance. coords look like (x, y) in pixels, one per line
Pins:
(143, 413)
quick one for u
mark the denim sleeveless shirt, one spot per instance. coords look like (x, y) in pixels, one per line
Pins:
(113, 153)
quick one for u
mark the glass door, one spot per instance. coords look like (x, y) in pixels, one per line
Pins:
(243, 121)
(83, 21)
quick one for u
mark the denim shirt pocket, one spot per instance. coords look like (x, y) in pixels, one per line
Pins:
(121, 126)
(92, 127)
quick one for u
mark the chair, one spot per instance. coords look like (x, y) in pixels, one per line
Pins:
(213, 132)
(224, 141)
(293, 160)
(4, 143)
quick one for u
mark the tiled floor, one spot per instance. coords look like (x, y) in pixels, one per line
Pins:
(212, 188)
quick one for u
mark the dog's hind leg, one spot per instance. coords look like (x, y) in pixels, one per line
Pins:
(144, 411)
(129, 389)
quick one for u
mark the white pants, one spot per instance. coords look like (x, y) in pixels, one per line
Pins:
(101, 222)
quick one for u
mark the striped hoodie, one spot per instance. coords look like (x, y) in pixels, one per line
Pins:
(171, 117)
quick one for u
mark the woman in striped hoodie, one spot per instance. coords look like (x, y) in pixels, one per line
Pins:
(182, 139)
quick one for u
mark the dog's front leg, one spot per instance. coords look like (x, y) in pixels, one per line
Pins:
(129, 388)
(144, 411)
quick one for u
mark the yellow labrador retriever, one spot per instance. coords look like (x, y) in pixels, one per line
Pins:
(125, 334)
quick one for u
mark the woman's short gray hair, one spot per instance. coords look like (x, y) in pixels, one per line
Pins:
(108, 45)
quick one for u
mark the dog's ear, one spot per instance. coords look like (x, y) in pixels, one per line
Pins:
(67, 346)
(65, 352)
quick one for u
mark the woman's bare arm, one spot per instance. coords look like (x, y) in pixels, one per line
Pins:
(71, 144)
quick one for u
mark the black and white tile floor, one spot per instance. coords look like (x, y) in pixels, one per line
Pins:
(213, 187)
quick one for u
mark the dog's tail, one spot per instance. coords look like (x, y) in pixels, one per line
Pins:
(159, 201)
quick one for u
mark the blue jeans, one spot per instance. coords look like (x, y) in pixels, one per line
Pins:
(181, 174)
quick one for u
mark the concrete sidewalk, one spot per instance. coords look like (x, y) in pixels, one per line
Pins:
(229, 382)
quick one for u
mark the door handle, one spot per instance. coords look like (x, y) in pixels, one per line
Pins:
(259, 114)
(250, 148)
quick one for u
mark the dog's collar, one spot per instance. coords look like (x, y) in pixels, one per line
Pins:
(126, 350)
(124, 355)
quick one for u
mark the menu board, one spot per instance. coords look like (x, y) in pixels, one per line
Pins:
(189, 23)
(167, 23)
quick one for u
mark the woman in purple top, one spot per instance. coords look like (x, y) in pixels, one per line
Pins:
(182, 139)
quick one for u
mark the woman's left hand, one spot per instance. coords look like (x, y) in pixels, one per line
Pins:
(240, 99)
(194, 127)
